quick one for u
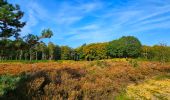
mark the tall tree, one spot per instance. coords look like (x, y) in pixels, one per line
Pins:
(95, 51)
(51, 50)
(126, 46)
(10, 23)
(57, 53)
(46, 33)
(66, 53)
(43, 49)
(19, 46)
(31, 41)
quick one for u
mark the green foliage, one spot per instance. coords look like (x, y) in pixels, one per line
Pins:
(122, 96)
(46, 33)
(80, 53)
(158, 52)
(31, 39)
(51, 50)
(95, 51)
(127, 46)
(66, 53)
(57, 53)
(10, 23)
(8, 82)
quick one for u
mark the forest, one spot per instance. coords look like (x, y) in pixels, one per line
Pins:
(32, 47)
(121, 69)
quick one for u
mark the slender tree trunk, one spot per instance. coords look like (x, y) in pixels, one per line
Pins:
(30, 54)
(25, 55)
(45, 57)
(52, 57)
(16, 56)
(36, 55)
(21, 53)
(1, 55)
(42, 58)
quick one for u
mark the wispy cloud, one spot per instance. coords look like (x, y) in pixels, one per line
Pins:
(69, 14)
(96, 20)
(35, 13)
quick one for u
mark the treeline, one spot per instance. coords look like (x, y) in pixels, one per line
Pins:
(31, 47)
(159, 52)
(125, 47)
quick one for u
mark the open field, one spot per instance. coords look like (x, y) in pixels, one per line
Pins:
(96, 80)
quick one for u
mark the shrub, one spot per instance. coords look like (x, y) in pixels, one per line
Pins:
(133, 62)
(8, 83)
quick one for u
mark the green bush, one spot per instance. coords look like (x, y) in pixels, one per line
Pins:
(8, 82)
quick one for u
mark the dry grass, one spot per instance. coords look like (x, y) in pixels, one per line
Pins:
(71, 80)
(150, 90)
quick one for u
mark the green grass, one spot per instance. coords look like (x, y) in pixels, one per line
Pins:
(9, 82)
(122, 96)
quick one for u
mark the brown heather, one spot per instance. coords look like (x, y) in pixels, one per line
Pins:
(95, 80)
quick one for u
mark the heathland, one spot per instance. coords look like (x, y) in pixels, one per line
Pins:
(83, 80)
(121, 69)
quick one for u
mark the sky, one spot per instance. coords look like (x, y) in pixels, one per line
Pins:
(75, 22)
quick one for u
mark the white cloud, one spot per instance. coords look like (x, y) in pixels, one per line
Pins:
(35, 13)
(107, 21)
(69, 14)
(90, 27)
(31, 22)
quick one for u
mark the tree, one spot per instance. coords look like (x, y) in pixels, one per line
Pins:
(57, 53)
(79, 51)
(19, 46)
(51, 50)
(43, 49)
(46, 33)
(126, 46)
(114, 49)
(161, 52)
(131, 46)
(95, 51)
(10, 23)
(31, 41)
(147, 52)
(5, 48)
(66, 53)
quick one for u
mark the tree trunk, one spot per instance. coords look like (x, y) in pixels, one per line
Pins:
(36, 55)
(25, 55)
(30, 54)
(16, 56)
(21, 53)
(42, 58)
(1, 55)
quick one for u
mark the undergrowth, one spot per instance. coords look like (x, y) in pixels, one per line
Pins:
(95, 80)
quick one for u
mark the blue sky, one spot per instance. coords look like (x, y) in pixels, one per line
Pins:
(75, 22)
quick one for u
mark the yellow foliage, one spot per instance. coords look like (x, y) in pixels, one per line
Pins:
(150, 90)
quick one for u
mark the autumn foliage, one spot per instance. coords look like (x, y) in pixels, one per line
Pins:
(78, 80)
